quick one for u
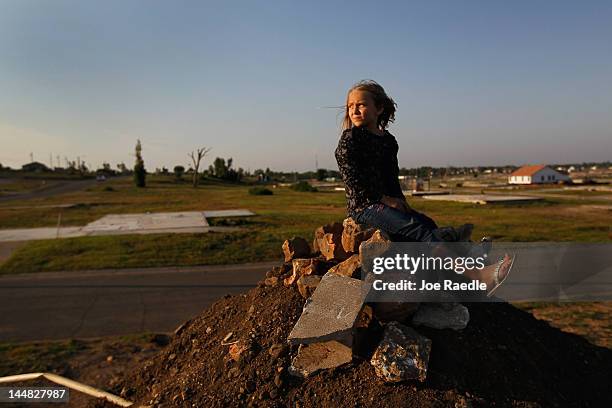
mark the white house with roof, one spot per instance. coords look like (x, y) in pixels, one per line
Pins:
(538, 174)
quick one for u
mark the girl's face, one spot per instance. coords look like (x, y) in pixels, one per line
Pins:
(362, 110)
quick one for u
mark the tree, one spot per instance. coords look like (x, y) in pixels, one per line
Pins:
(140, 174)
(321, 174)
(219, 168)
(196, 157)
(178, 172)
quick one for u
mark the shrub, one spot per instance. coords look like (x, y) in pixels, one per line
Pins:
(303, 186)
(260, 191)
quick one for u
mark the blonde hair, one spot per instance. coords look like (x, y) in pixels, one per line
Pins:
(381, 100)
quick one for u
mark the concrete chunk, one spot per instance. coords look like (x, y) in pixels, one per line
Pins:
(349, 268)
(403, 354)
(377, 245)
(295, 247)
(319, 356)
(307, 284)
(305, 267)
(354, 234)
(330, 312)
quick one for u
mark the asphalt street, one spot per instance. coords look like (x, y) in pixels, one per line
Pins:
(62, 305)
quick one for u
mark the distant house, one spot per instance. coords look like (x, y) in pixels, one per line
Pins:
(35, 167)
(538, 174)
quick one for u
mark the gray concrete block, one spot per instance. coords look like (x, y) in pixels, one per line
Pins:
(330, 313)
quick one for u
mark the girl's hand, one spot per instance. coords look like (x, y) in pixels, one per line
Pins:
(397, 203)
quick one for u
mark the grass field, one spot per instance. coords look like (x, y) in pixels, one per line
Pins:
(280, 216)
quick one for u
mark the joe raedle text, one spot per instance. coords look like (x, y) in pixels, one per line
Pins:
(446, 284)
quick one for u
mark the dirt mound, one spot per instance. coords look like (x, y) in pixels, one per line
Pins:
(505, 357)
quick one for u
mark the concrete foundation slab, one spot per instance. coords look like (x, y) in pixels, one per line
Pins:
(482, 198)
(228, 213)
(122, 224)
(149, 221)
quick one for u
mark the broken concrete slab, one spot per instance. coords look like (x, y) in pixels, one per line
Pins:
(403, 354)
(330, 313)
(296, 247)
(442, 316)
(319, 356)
(349, 268)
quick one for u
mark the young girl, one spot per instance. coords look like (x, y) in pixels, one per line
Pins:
(367, 159)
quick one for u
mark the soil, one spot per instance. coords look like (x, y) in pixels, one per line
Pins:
(505, 357)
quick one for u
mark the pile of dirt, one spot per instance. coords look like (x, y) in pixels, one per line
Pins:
(504, 357)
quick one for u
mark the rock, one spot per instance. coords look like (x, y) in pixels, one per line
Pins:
(335, 228)
(278, 380)
(403, 354)
(362, 331)
(306, 266)
(442, 316)
(377, 245)
(238, 350)
(365, 317)
(249, 313)
(319, 356)
(349, 268)
(295, 247)
(331, 247)
(307, 284)
(354, 234)
(272, 281)
(276, 350)
(330, 313)
(394, 311)
(328, 241)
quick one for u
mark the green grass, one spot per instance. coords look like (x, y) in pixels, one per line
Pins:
(36, 357)
(285, 214)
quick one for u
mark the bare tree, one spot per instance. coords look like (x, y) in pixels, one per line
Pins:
(196, 157)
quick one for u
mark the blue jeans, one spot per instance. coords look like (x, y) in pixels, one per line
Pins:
(401, 227)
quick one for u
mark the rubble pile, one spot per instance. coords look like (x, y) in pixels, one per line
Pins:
(304, 337)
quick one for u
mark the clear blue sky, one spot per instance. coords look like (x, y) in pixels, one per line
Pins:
(477, 82)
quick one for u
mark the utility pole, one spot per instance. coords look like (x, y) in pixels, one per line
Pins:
(31, 157)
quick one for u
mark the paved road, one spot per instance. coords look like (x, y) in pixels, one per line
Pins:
(53, 189)
(63, 305)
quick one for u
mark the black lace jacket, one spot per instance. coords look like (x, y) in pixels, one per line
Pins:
(369, 169)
